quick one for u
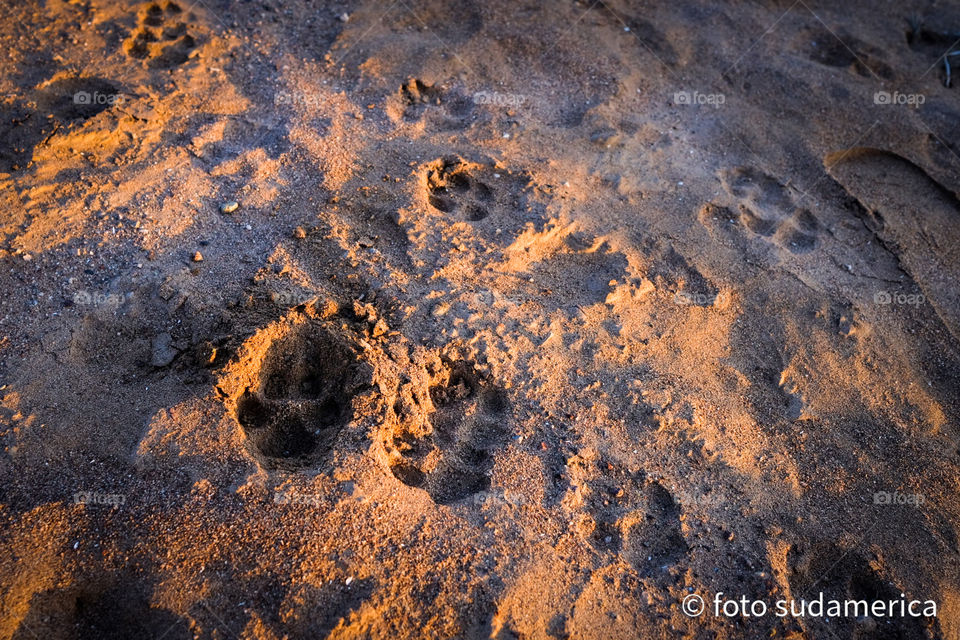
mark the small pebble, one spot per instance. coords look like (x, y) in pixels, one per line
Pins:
(229, 207)
(349, 580)
(300, 233)
(163, 351)
(198, 257)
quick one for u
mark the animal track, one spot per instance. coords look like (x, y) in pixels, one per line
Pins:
(443, 110)
(450, 456)
(453, 189)
(911, 214)
(766, 210)
(652, 538)
(161, 39)
(629, 514)
(844, 575)
(108, 607)
(299, 382)
(844, 51)
(295, 398)
(415, 95)
(608, 493)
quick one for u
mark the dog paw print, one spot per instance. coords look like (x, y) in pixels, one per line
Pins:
(453, 189)
(452, 458)
(298, 395)
(415, 95)
(766, 210)
(161, 38)
(437, 108)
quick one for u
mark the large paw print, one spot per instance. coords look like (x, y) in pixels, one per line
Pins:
(161, 38)
(300, 398)
(766, 210)
(453, 459)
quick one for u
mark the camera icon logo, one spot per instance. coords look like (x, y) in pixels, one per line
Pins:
(82, 97)
(682, 97)
(882, 97)
(882, 297)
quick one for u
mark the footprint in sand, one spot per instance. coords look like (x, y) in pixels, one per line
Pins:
(608, 492)
(843, 51)
(766, 210)
(913, 215)
(99, 606)
(652, 539)
(161, 38)
(480, 197)
(844, 575)
(299, 394)
(442, 110)
(415, 95)
(452, 460)
(629, 515)
(454, 189)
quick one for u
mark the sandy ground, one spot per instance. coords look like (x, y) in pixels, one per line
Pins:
(530, 320)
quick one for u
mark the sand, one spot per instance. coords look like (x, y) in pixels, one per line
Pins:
(508, 320)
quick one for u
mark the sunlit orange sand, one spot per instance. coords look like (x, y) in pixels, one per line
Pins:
(442, 319)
